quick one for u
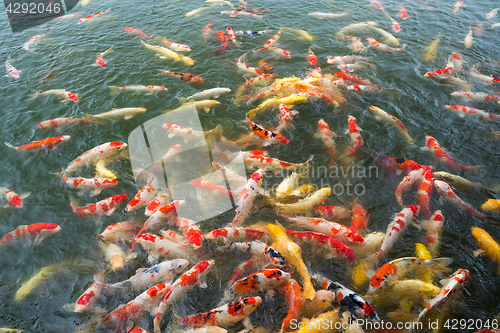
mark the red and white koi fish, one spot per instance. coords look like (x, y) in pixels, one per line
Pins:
(354, 133)
(351, 78)
(441, 72)
(476, 97)
(234, 234)
(485, 78)
(117, 319)
(31, 41)
(285, 118)
(175, 46)
(31, 234)
(468, 39)
(58, 122)
(93, 16)
(273, 39)
(335, 247)
(158, 247)
(191, 230)
(395, 122)
(383, 47)
(455, 61)
(11, 70)
(311, 57)
(94, 155)
(399, 267)
(99, 209)
(187, 281)
(94, 185)
(274, 164)
(446, 192)
(188, 77)
(408, 181)
(329, 15)
(424, 193)
(434, 228)
(397, 226)
(48, 143)
(224, 315)
(247, 196)
(13, 199)
(378, 5)
(343, 59)
(459, 4)
(90, 296)
(145, 195)
(451, 286)
(66, 95)
(356, 43)
(207, 30)
(247, 69)
(260, 281)
(348, 300)
(465, 110)
(259, 250)
(159, 201)
(143, 278)
(265, 134)
(395, 25)
(168, 211)
(329, 228)
(398, 165)
(99, 61)
(327, 137)
(359, 87)
(330, 212)
(232, 36)
(441, 154)
(135, 32)
(493, 13)
(293, 296)
(236, 13)
(208, 188)
(119, 232)
(402, 12)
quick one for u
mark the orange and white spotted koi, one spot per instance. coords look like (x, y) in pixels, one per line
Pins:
(273, 39)
(94, 155)
(359, 87)
(329, 228)
(275, 49)
(186, 282)
(48, 143)
(493, 13)
(135, 32)
(383, 47)
(408, 181)
(224, 315)
(94, 185)
(247, 196)
(59, 122)
(208, 188)
(145, 195)
(402, 12)
(327, 137)
(378, 5)
(354, 133)
(11, 70)
(397, 226)
(232, 35)
(260, 281)
(119, 232)
(440, 72)
(66, 95)
(175, 46)
(311, 57)
(183, 132)
(330, 212)
(446, 192)
(93, 16)
(265, 134)
(285, 118)
(32, 41)
(395, 122)
(168, 211)
(395, 25)
(424, 193)
(348, 300)
(257, 249)
(442, 155)
(351, 78)
(476, 97)
(13, 199)
(160, 247)
(31, 234)
(359, 219)
(99, 61)
(356, 43)
(247, 69)
(159, 201)
(99, 209)
(336, 249)
(234, 234)
(274, 164)
(398, 268)
(451, 286)
(476, 113)
(191, 230)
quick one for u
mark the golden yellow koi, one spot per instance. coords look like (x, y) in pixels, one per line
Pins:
(302, 34)
(423, 274)
(491, 205)
(487, 244)
(275, 102)
(306, 205)
(316, 325)
(404, 289)
(431, 50)
(322, 300)
(293, 256)
(102, 172)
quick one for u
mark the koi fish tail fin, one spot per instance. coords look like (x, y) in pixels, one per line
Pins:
(475, 170)
(113, 90)
(33, 95)
(440, 265)
(306, 167)
(10, 146)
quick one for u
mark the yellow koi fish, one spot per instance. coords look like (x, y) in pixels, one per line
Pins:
(431, 50)
(487, 244)
(423, 274)
(491, 205)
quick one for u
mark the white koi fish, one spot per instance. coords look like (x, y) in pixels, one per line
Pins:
(330, 15)
(485, 78)
(468, 39)
(209, 93)
(197, 11)
(383, 47)
(66, 95)
(149, 90)
(94, 185)
(30, 234)
(247, 196)
(31, 42)
(115, 114)
(158, 247)
(11, 70)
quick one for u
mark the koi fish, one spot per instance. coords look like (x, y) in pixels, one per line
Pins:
(31, 41)
(94, 155)
(66, 95)
(383, 47)
(476, 97)
(99, 209)
(398, 164)
(431, 50)
(262, 133)
(115, 255)
(348, 300)
(458, 182)
(207, 30)
(356, 44)
(234, 234)
(442, 155)
(354, 133)
(174, 46)
(389, 38)
(399, 267)
(90, 296)
(327, 137)
(452, 285)
(247, 69)
(468, 39)
(408, 181)
(93, 16)
(260, 281)
(487, 244)
(13, 199)
(356, 26)
(250, 33)
(446, 192)
(329, 228)
(304, 206)
(188, 77)
(311, 57)
(115, 114)
(168, 54)
(209, 93)
(168, 211)
(359, 219)
(247, 196)
(224, 39)
(145, 195)
(191, 230)
(459, 4)
(491, 205)
(58, 122)
(493, 13)
(462, 111)
(440, 72)
(135, 32)
(224, 315)
(330, 212)
(31, 234)
(350, 78)
(402, 12)
(285, 118)
(381, 114)
(424, 192)
(259, 250)
(158, 247)
(288, 184)
(293, 296)
(292, 99)
(99, 61)
(237, 13)
(302, 34)
(186, 282)
(395, 25)
(102, 171)
(197, 11)
(378, 5)
(11, 70)
(94, 185)
(336, 248)
(149, 90)
(293, 256)
(344, 59)
(48, 143)
(118, 232)
(330, 15)
(231, 34)
(397, 226)
(485, 78)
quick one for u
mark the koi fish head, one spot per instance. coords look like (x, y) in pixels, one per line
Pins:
(380, 277)
(196, 79)
(120, 198)
(15, 201)
(72, 96)
(117, 146)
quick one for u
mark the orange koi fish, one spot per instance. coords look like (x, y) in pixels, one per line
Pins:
(263, 133)
(159, 201)
(224, 39)
(260, 281)
(48, 143)
(191, 230)
(441, 154)
(135, 32)
(30, 234)
(402, 12)
(398, 165)
(329, 228)
(311, 57)
(359, 218)
(336, 248)
(293, 296)
(188, 77)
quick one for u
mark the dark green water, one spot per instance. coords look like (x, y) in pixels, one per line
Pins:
(69, 49)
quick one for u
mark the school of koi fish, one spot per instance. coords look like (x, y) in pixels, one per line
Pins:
(292, 256)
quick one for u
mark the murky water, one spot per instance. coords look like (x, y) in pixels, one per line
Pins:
(69, 51)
